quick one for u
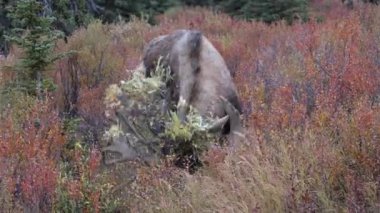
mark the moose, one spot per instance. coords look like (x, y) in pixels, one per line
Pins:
(200, 77)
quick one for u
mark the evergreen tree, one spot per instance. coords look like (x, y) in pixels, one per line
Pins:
(207, 3)
(4, 25)
(111, 9)
(69, 15)
(267, 10)
(33, 33)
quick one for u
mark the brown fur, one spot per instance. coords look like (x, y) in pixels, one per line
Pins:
(200, 74)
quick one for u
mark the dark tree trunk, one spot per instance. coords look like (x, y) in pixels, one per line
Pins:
(70, 83)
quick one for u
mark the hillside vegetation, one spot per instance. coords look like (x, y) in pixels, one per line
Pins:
(311, 100)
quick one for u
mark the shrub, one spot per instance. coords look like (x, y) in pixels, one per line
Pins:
(29, 157)
(81, 186)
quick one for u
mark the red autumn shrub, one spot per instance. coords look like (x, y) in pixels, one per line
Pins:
(30, 152)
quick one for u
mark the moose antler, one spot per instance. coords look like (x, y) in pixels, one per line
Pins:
(233, 115)
(236, 129)
(218, 124)
(131, 127)
(121, 146)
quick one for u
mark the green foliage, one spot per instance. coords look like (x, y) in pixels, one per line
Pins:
(144, 8)
(136, 108)
(189, 140)
(194, 131)
(134, 105)
(177, 131)
(202, 2)
(4, 25)
(267, 10)
(34, 34)
(69, 15)
(70, 126)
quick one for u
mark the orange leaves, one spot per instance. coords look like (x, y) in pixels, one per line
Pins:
(91, 102)
(29, 154)
(74, 189)
(282, 107)
(38, 179)
(365, 121)
(94, 162)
